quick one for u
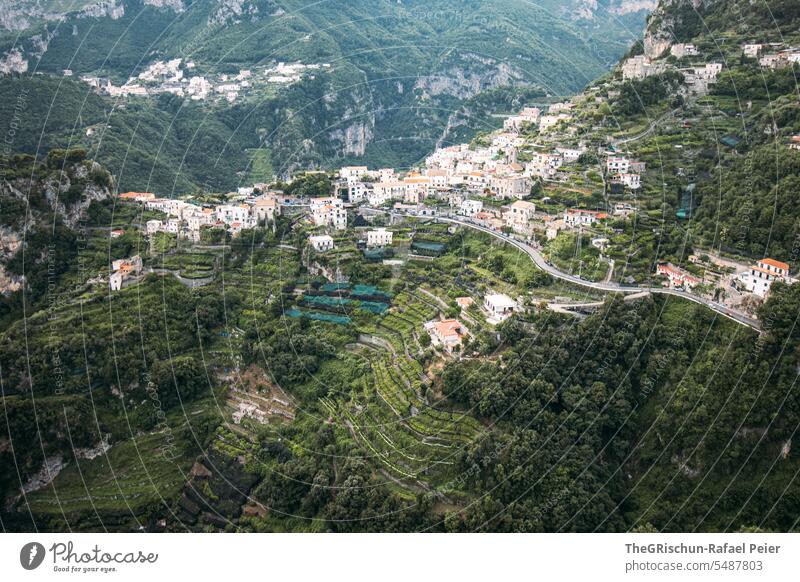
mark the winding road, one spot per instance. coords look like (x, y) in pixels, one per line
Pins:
(606, 287)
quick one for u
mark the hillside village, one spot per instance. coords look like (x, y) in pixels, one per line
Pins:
(563, 314)
(181, 78)
(550, 177)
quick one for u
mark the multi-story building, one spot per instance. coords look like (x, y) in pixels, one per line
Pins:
(470, 207)
(510, 186)
(752, 50)
(448, 334)
(618, 165)
(760, 277)
(641, 67)
(266, 208)
(681, 50)
(577, 217)
(379, 237)
(353, 172)
(122, 269)
(329, 211)
(389, 190)
(520, 214)
(632, 181)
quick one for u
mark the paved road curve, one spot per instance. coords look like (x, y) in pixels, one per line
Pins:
(608, 287)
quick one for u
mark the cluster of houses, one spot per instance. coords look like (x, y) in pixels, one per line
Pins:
(328, 212)
(177, 77)
(533, 116)
(676, 277)
(188, 219)
(450, 334)
(772, 55)
(697, 79)
(491, 171)
(624, 171)
(757, 279)
(517, 216)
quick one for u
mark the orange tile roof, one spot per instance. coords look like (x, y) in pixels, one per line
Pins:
(134, 195)
(774, 263)
(448, 327)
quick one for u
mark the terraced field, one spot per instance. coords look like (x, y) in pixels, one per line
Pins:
(400, 432)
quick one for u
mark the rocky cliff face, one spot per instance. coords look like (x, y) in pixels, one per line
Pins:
(34, 196)
(18, 15)
(669, 22)
(466, 80)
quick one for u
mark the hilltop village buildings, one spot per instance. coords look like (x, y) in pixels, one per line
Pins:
(489, 182)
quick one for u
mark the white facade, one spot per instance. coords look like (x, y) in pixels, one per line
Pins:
(154, 226)
(230, 213)
(329, 212)
(499, 306)
(321, 243)
(380, 237)
(632, 181)
(470, 207)
(618, 165)
(760, 277)
(356, 172)
(577, 217)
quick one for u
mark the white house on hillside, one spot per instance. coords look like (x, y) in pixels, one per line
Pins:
(380, 237)
(321, 243)
(499, 306)
(762, 275)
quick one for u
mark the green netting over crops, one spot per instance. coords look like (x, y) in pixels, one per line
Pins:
(374, 306)
(327, 301)
(378, 254)
(369, 291)
(428, 247)
(333, 287)
(338, 303)
(327, 317)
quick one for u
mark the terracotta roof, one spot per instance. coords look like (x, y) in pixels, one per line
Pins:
(136, 194)
(774, 263)
(464, 301)
(448, 328)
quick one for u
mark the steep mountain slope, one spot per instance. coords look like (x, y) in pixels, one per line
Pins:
(402, 74)
(650, 415)
(41, 206)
